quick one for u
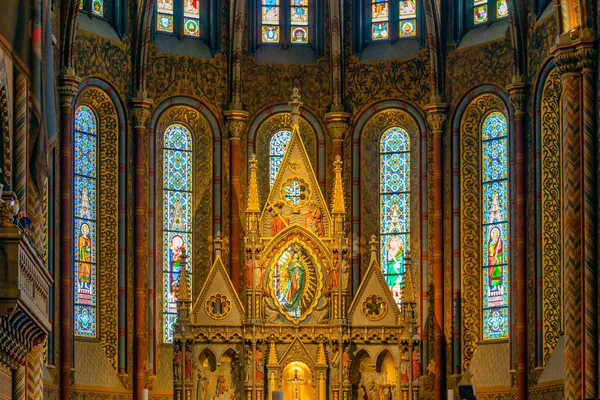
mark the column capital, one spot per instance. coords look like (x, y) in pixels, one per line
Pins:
(436, 115)
(68, 85)
(587, 57)
(517, 94)
(141, 111)
(337, 124)
(236, 122)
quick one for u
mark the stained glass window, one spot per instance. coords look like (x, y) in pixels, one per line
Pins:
(97, 7)
(291, 16)
(394, 203)
(489, 10)
(278, 145)
(177, 218)
(383, 28)
(167, 13)
(496, 251)
(84, 222)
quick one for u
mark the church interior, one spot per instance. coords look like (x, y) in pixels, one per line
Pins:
(299, 199)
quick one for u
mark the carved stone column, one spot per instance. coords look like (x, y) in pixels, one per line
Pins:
(436, 117)
(236, 124)
(67, 90)
(575, 62)
(517, 92)
(141, 115)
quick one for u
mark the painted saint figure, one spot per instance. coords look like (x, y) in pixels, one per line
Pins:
(84, 244)
(395, 266)
(191, 6)
(221, 386)
(175, 257)
(295, 284)
(313, 220)
(495, 261)
(278, 222)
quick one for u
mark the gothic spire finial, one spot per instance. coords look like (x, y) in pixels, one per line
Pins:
(218, 244)
(373, 243)
(183, 293)
(295, 103)
(253, 204)
(338, 206)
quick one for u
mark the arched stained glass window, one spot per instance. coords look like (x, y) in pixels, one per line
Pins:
(391, 19)
(489, 10)
(174, 16)
(277, 147)
(97, 7)
(494, 148)
(285, 21)
(177, 218)
(394, 199)
(84, 223)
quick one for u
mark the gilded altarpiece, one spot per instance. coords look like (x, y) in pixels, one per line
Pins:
(107, 246)
(551, 213)
(471, 220)
(295, 327)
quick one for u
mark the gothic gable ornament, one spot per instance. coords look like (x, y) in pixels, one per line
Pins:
(218, 302)
(295, 198)
(374, 303)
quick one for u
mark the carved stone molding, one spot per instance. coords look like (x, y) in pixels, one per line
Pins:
(567, 62)
(586, 57)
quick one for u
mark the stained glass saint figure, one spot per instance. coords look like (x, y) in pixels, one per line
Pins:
(175, 256)
(84, 245)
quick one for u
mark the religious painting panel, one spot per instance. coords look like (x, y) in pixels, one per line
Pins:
(214, 380)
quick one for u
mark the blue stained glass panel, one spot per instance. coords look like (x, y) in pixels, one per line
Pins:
(495, 227)
(394, 140)
(85, 321)
(277, 147)
(495, 323)
(85, 142)
(394, 203)
(395, 168)
(177, 218)
(495, 159)
(495, 201)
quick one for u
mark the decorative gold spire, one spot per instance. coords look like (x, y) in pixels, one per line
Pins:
(295, 103)
(373, 243)
(218, 244)
(409, 290)
(321, 359)
(183, 295)
(253, 205)
(272, 354)
(338, 206)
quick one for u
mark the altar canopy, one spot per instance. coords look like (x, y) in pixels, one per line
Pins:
(296, 326)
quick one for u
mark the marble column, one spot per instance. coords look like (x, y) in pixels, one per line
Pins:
(517, 98)
(67, 91)
(141, 115)
(436, 117)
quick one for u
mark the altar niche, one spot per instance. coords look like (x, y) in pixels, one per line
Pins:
(298, 382)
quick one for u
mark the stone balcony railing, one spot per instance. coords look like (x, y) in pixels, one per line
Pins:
(24, 296)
